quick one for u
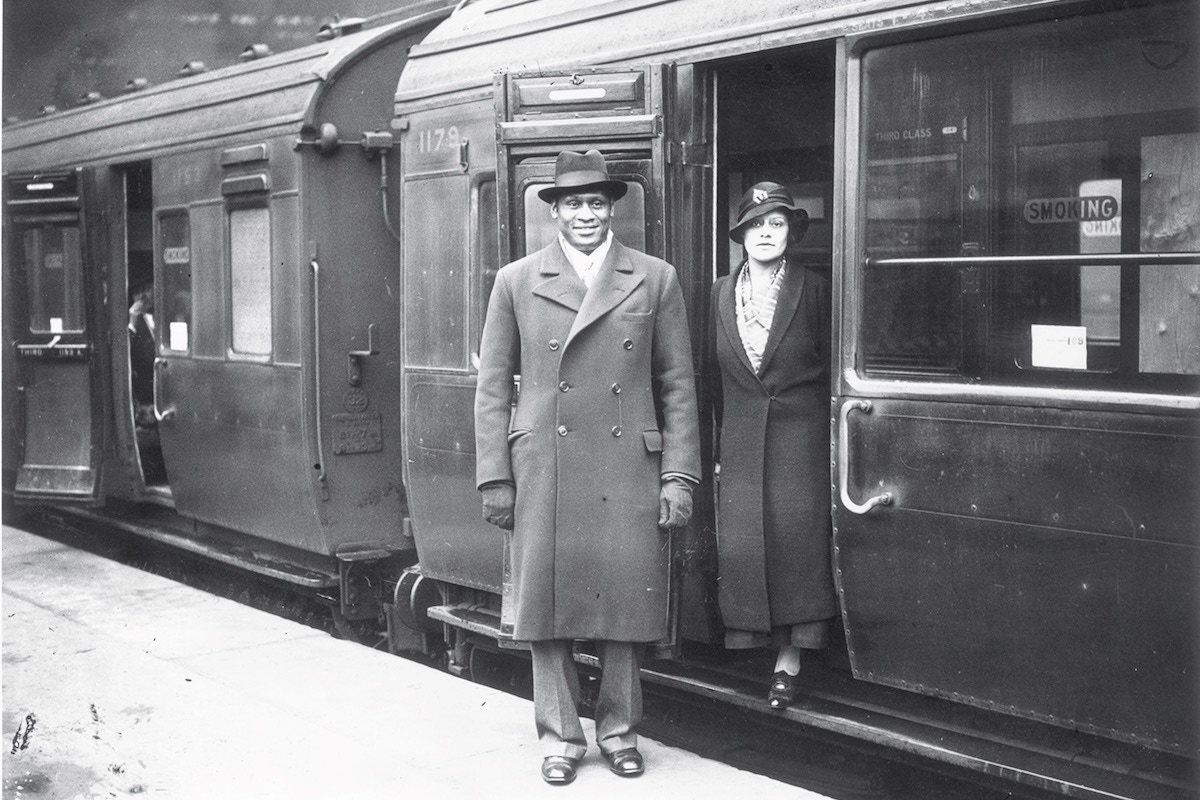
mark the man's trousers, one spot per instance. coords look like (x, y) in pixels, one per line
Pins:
(556, 697)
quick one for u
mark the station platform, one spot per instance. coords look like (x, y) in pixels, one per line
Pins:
(121, 683)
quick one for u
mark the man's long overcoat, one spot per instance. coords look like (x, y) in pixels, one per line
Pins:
(773, 531)
(606, 405)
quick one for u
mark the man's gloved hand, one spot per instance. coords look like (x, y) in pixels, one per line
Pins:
(499, 500)
(674, 503)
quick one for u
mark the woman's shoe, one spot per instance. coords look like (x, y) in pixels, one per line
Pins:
(783, 690)
(559, 770)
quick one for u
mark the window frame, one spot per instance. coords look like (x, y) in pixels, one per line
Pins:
(232, 206)
(852, 377)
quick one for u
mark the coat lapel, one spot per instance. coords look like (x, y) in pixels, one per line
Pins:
(561, 284)
(727, 312)
(785, 308)
(616, 279)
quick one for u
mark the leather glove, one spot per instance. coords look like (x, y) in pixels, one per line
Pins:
(674, 503)
(499, 500)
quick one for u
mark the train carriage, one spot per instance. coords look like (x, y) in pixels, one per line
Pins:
(1005, 197)
(248, 207)
(1003, 194)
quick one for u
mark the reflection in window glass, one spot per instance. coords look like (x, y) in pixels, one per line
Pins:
(176, 258)
(54, 280)
(998, 144)
(250, 280)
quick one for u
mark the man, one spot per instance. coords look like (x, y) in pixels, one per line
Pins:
(580, 468)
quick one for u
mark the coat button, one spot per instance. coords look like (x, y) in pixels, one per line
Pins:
(627, 344)
(554, 344)
(616, 430)
(563, 386)
(562, 430)
(616, 388)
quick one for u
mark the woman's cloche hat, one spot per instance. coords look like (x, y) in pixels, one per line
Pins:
(580, 172)
(763, 198)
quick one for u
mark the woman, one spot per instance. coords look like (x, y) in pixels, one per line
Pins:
(770, 340)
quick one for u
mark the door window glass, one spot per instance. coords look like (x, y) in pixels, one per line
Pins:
(51, 248)
(250, 280)
(486, 246)
(176, 254)
(999, 144)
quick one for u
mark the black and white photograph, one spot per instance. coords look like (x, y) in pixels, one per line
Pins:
(783, 399)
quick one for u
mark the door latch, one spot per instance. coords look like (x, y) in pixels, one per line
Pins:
(355, 367)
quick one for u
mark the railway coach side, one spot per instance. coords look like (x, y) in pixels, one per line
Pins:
(247, 209)
(1003, 194)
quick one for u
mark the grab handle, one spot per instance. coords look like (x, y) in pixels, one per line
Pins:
(160, 414)
(844, 461)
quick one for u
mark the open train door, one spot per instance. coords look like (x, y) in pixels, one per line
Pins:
(54, 255)
(619, 111)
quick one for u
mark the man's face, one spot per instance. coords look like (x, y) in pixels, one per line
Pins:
(583, 219)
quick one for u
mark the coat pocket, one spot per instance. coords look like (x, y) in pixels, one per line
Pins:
(653, 441)
(637, 316)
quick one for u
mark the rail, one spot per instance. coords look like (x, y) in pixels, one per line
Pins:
(316, 367)
(1091, 260)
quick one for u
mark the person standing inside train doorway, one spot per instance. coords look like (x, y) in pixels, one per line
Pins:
(580, 469)
(770, 341)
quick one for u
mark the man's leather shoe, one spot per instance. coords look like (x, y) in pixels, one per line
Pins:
(559, 770)
(627, 763)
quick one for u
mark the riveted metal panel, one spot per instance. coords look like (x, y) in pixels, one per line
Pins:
(1035, 561)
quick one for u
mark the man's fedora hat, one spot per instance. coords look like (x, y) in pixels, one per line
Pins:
(575, 173)
(763, 198)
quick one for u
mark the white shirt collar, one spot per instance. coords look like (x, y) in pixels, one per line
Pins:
(586, 264)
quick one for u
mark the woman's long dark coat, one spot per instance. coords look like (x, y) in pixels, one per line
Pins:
(774, 527)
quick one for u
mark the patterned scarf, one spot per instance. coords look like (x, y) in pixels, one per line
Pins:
(755, 310)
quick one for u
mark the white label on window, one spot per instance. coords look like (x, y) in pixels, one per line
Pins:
(1059, 346)
(56, 325)
(179, 335)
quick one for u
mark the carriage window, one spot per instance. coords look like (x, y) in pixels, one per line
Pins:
(436, 278)
(250, 280)
(1024, 227)
(486, 247)
(51, 245)
(175, 250)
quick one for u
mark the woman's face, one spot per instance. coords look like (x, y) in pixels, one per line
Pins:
(766, 237)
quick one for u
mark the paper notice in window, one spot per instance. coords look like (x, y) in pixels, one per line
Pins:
(178, 336)
(56, 325)
(1059, 346)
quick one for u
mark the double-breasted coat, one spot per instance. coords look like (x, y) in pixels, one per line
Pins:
(773, 531)
(606, 405)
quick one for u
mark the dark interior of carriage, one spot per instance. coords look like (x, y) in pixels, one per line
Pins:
(143, 329)
(775, 121)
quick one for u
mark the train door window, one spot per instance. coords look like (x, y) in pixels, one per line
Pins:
(1024, 227)
(250, 280)
(175, 293)
(52, 250)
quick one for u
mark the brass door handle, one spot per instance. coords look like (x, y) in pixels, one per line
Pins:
(161, 414)
(844, 459)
